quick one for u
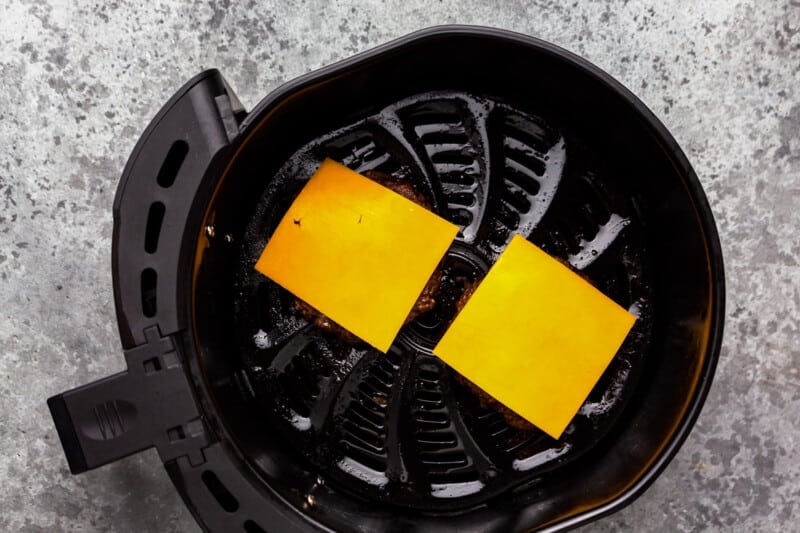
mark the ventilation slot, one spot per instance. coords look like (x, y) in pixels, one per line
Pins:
(438, 446)
(530, 163)
(149, 286)
(252, 527)
(490, 430)
(508, 217)
(532, 135)
(360, 152)
(446, 136)
(456, 181)
(429, 440)
(429, 420)
(522, 445)
(366, 457)
(223, 496)
(517, 199)
(452, 157)
(172, 163)
(516, 178)
(153, 229)
(523, 157)
(364, 425)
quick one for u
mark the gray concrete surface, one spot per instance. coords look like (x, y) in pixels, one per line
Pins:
(78, 85)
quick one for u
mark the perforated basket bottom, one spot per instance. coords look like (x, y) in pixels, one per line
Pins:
(397, 428)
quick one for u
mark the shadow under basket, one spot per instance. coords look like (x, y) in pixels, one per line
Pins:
(265, 423)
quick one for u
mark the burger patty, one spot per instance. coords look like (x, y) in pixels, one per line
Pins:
(487, 401)
(426, 300)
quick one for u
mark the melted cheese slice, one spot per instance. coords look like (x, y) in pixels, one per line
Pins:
(535, 336)
(356, 251)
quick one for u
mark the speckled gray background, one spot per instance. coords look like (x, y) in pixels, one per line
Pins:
(78, 85)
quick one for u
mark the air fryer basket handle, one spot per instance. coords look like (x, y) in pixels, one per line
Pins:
(91, 427)
(149, 404)
(152, 403)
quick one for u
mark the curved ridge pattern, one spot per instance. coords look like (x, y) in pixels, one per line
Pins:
(397, 428)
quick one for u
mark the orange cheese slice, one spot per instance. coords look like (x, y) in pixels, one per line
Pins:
(356, 251)
(535, 336)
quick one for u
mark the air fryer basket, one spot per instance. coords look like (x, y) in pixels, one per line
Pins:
(265, 423)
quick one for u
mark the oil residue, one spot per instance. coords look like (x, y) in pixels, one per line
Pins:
(362, 472)
(605, 236)
(456, 490)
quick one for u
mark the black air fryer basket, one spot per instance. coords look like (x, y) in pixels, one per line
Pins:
(265, 423)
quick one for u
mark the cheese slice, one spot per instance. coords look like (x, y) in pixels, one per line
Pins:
(535, 336)
(356, 251)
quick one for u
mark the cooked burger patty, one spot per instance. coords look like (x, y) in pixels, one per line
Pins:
(426, 300)
(487, 401)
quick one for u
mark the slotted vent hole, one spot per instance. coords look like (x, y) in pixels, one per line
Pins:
(443, 459)
(461, 198)
(149, 289)
(252, 527)
(458, 178)
(429, 419)
(360, 154)
(429, 398)
(516, 199)
(172, 164)
(454, 157)
(528, 133)
(460, 217)
(519, 179)
(445, 137)
(351, 146)
(155, 216)
(429, 374)
(366, 416)
(436, 440)
(520, 155)
(423, 116)
(369, 459)
(381, 375)
(224, 498)
(508, 217)
(364, 436)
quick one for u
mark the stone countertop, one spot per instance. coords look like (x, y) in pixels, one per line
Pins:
(78, 86)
